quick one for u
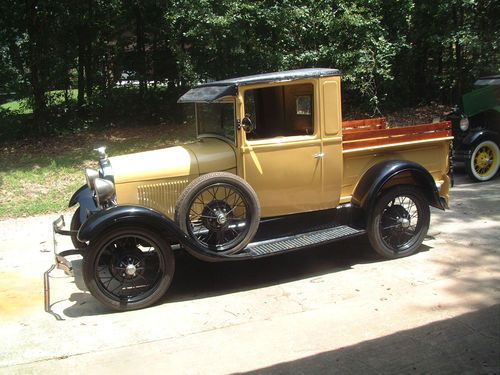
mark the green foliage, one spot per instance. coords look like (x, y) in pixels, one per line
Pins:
(390, 52)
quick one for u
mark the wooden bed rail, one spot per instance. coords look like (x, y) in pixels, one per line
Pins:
(353, 126)
(375, 137)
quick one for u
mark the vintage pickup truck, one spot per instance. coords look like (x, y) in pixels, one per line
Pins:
(274, 169)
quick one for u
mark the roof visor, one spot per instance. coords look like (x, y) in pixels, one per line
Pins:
(208, 94)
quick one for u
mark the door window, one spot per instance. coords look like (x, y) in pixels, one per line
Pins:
(280, 111)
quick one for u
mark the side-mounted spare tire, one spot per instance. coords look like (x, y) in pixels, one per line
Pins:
(219, 211)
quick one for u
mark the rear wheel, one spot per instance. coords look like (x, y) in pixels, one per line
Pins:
(128, 268)
(399, 222)
(484, 162)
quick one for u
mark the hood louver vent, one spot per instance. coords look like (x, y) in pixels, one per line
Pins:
(162, 196)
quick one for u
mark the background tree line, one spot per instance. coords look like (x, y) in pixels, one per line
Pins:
(69, 57)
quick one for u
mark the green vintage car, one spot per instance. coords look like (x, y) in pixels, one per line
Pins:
(476, 127)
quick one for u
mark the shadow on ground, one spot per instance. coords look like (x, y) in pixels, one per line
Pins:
(468, 343)
(195, 279)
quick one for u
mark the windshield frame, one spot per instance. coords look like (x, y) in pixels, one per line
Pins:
(226, 100)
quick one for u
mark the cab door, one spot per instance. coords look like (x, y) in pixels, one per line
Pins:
(283, 156)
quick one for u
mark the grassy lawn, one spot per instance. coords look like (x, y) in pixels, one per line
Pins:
(53, 97)
(40, 177)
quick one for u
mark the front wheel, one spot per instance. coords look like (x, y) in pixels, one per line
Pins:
(399, 222)
(128, 268)
(484, 162)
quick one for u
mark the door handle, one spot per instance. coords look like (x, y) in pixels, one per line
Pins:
(319, 155)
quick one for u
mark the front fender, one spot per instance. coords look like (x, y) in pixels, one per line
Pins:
(142, 216)
(374, 179)
(477, 136)
(85, 198)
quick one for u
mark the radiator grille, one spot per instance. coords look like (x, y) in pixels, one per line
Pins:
(162, 196)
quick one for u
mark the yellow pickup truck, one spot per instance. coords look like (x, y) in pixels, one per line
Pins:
(274, 169)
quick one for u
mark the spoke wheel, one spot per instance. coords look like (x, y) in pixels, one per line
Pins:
(128, 268)
(219, 211)
(484, 162)
(399, 222)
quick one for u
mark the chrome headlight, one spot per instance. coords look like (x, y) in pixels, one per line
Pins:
(464, 124)
(91, 175)
(104, 190)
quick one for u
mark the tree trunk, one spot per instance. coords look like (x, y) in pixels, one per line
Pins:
(89, 84)
(81, 56)
(34, 61)
(458, 15)
(141, 49)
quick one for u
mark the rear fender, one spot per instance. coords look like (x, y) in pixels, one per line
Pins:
(145, 217)
(380, 175)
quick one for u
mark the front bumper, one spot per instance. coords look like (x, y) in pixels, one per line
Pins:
(61, 260)
(60, 256)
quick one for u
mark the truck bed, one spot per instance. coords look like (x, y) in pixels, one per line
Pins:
(367, 142)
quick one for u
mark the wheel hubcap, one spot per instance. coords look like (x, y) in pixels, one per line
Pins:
(404, 222)
(221, 218)
(130, 270)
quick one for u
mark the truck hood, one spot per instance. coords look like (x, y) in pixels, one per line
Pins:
(203, 156)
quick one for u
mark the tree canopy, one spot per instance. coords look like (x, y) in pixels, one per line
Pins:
(401, 52)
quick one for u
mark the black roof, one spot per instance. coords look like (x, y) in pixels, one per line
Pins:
(287, 75)
(488, 81)
(210, 91)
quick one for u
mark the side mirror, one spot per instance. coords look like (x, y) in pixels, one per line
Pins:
(247, 124)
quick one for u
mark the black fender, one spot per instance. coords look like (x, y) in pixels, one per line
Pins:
(85, 198)
(373, 180)
(145, 217)
(477, 136)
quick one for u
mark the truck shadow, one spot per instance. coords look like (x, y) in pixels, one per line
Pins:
(195, 279)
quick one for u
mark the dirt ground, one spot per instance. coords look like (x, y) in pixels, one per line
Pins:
(332, 309)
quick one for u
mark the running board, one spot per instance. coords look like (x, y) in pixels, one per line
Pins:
(299, 241)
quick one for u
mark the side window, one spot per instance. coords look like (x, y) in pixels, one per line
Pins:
(280, 111)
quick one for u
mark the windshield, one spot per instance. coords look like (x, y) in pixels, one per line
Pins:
(216, 119)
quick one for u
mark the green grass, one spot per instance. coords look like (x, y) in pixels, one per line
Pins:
(53, 97)
(40, 177)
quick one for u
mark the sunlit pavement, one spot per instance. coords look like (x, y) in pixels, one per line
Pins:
(331, 309)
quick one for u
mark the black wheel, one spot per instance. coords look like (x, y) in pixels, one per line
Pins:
(484, 162)
(219, 211)
(75, 225)
(399, 222)
(128, 268)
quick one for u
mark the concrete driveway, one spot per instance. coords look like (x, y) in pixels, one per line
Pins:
(333, 309)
